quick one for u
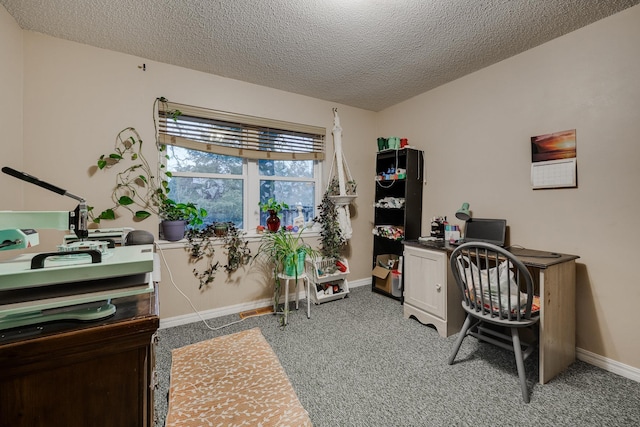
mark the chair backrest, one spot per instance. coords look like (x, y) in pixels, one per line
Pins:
(493, 282)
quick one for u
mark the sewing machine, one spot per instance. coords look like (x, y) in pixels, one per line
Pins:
(78, 281)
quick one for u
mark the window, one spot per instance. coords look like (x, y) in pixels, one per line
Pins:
(227, 163)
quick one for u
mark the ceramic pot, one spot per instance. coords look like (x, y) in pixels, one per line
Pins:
(220, 229)
(292, 268)
(273, 222)
(173, 230)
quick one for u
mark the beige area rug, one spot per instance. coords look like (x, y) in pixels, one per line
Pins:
(232, 380)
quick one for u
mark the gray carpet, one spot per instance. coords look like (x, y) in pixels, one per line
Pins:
(358, 362)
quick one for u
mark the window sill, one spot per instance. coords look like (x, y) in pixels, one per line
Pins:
(251, 237)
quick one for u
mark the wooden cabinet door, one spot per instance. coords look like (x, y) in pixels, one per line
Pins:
(426, 280)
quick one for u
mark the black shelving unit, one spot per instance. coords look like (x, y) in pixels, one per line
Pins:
(409, 217)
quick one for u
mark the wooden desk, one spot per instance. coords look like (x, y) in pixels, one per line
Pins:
(554, 277)
(82, 374)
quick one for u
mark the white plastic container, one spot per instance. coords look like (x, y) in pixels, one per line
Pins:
(396, 283)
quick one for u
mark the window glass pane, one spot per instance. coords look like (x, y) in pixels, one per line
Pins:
(185, 160)
(222, 198)
(294, 194)
(286, 168)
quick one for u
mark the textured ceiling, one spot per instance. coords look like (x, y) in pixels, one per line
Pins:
(369, 54)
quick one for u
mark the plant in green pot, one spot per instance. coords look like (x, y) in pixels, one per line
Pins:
(285, 252)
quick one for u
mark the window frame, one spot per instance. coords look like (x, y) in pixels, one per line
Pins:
(250, 169)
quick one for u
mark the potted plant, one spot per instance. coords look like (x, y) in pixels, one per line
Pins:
(273, 207)
(143, 190)
(175, 217)
(221, 228)
(140, 190)
(285, 252)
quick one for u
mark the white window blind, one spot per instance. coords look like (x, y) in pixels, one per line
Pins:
(238, 135)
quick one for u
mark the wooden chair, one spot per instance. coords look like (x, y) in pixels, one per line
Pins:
(497, 289)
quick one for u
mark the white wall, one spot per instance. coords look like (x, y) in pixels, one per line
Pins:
(476, 133)
(11, 58)
(77, 98)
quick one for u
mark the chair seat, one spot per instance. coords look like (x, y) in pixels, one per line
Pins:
(535, 309)
(489, 318)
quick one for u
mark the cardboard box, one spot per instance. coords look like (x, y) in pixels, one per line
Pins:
(382, 272)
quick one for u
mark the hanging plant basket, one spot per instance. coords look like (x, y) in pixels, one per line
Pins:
(343, 200)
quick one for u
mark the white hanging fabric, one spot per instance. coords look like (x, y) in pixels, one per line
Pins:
(345, 221)
(341, 200)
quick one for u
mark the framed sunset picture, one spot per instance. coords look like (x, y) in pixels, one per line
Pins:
(554, 160)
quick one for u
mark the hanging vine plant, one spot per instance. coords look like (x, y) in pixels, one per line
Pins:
(137, 188)
(141, 189)
(331, 238)
(202, 243)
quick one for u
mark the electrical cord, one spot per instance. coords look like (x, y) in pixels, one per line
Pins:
(195, 310)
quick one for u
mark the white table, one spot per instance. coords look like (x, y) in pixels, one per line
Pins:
(287, 279)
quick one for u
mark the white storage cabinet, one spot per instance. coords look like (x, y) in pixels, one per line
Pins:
(430, 293)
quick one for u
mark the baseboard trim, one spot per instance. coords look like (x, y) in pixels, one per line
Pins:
(213, 313)
(360, 282)
(608, 364)
(233, 309)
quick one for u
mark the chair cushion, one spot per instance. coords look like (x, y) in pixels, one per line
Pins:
(495, 307)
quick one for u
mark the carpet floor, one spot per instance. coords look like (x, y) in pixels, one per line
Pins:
(357, 362)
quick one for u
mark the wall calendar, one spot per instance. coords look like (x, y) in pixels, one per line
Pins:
(553, 160)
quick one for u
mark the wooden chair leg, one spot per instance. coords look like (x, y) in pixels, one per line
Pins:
(461, 335)
(515, 335)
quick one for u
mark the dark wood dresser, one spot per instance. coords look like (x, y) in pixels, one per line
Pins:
(94, 374)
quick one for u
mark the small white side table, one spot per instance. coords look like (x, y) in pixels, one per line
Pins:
(287, 279)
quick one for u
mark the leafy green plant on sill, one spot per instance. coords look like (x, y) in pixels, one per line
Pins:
(170, 210)
(202, 243)
(273, 205)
